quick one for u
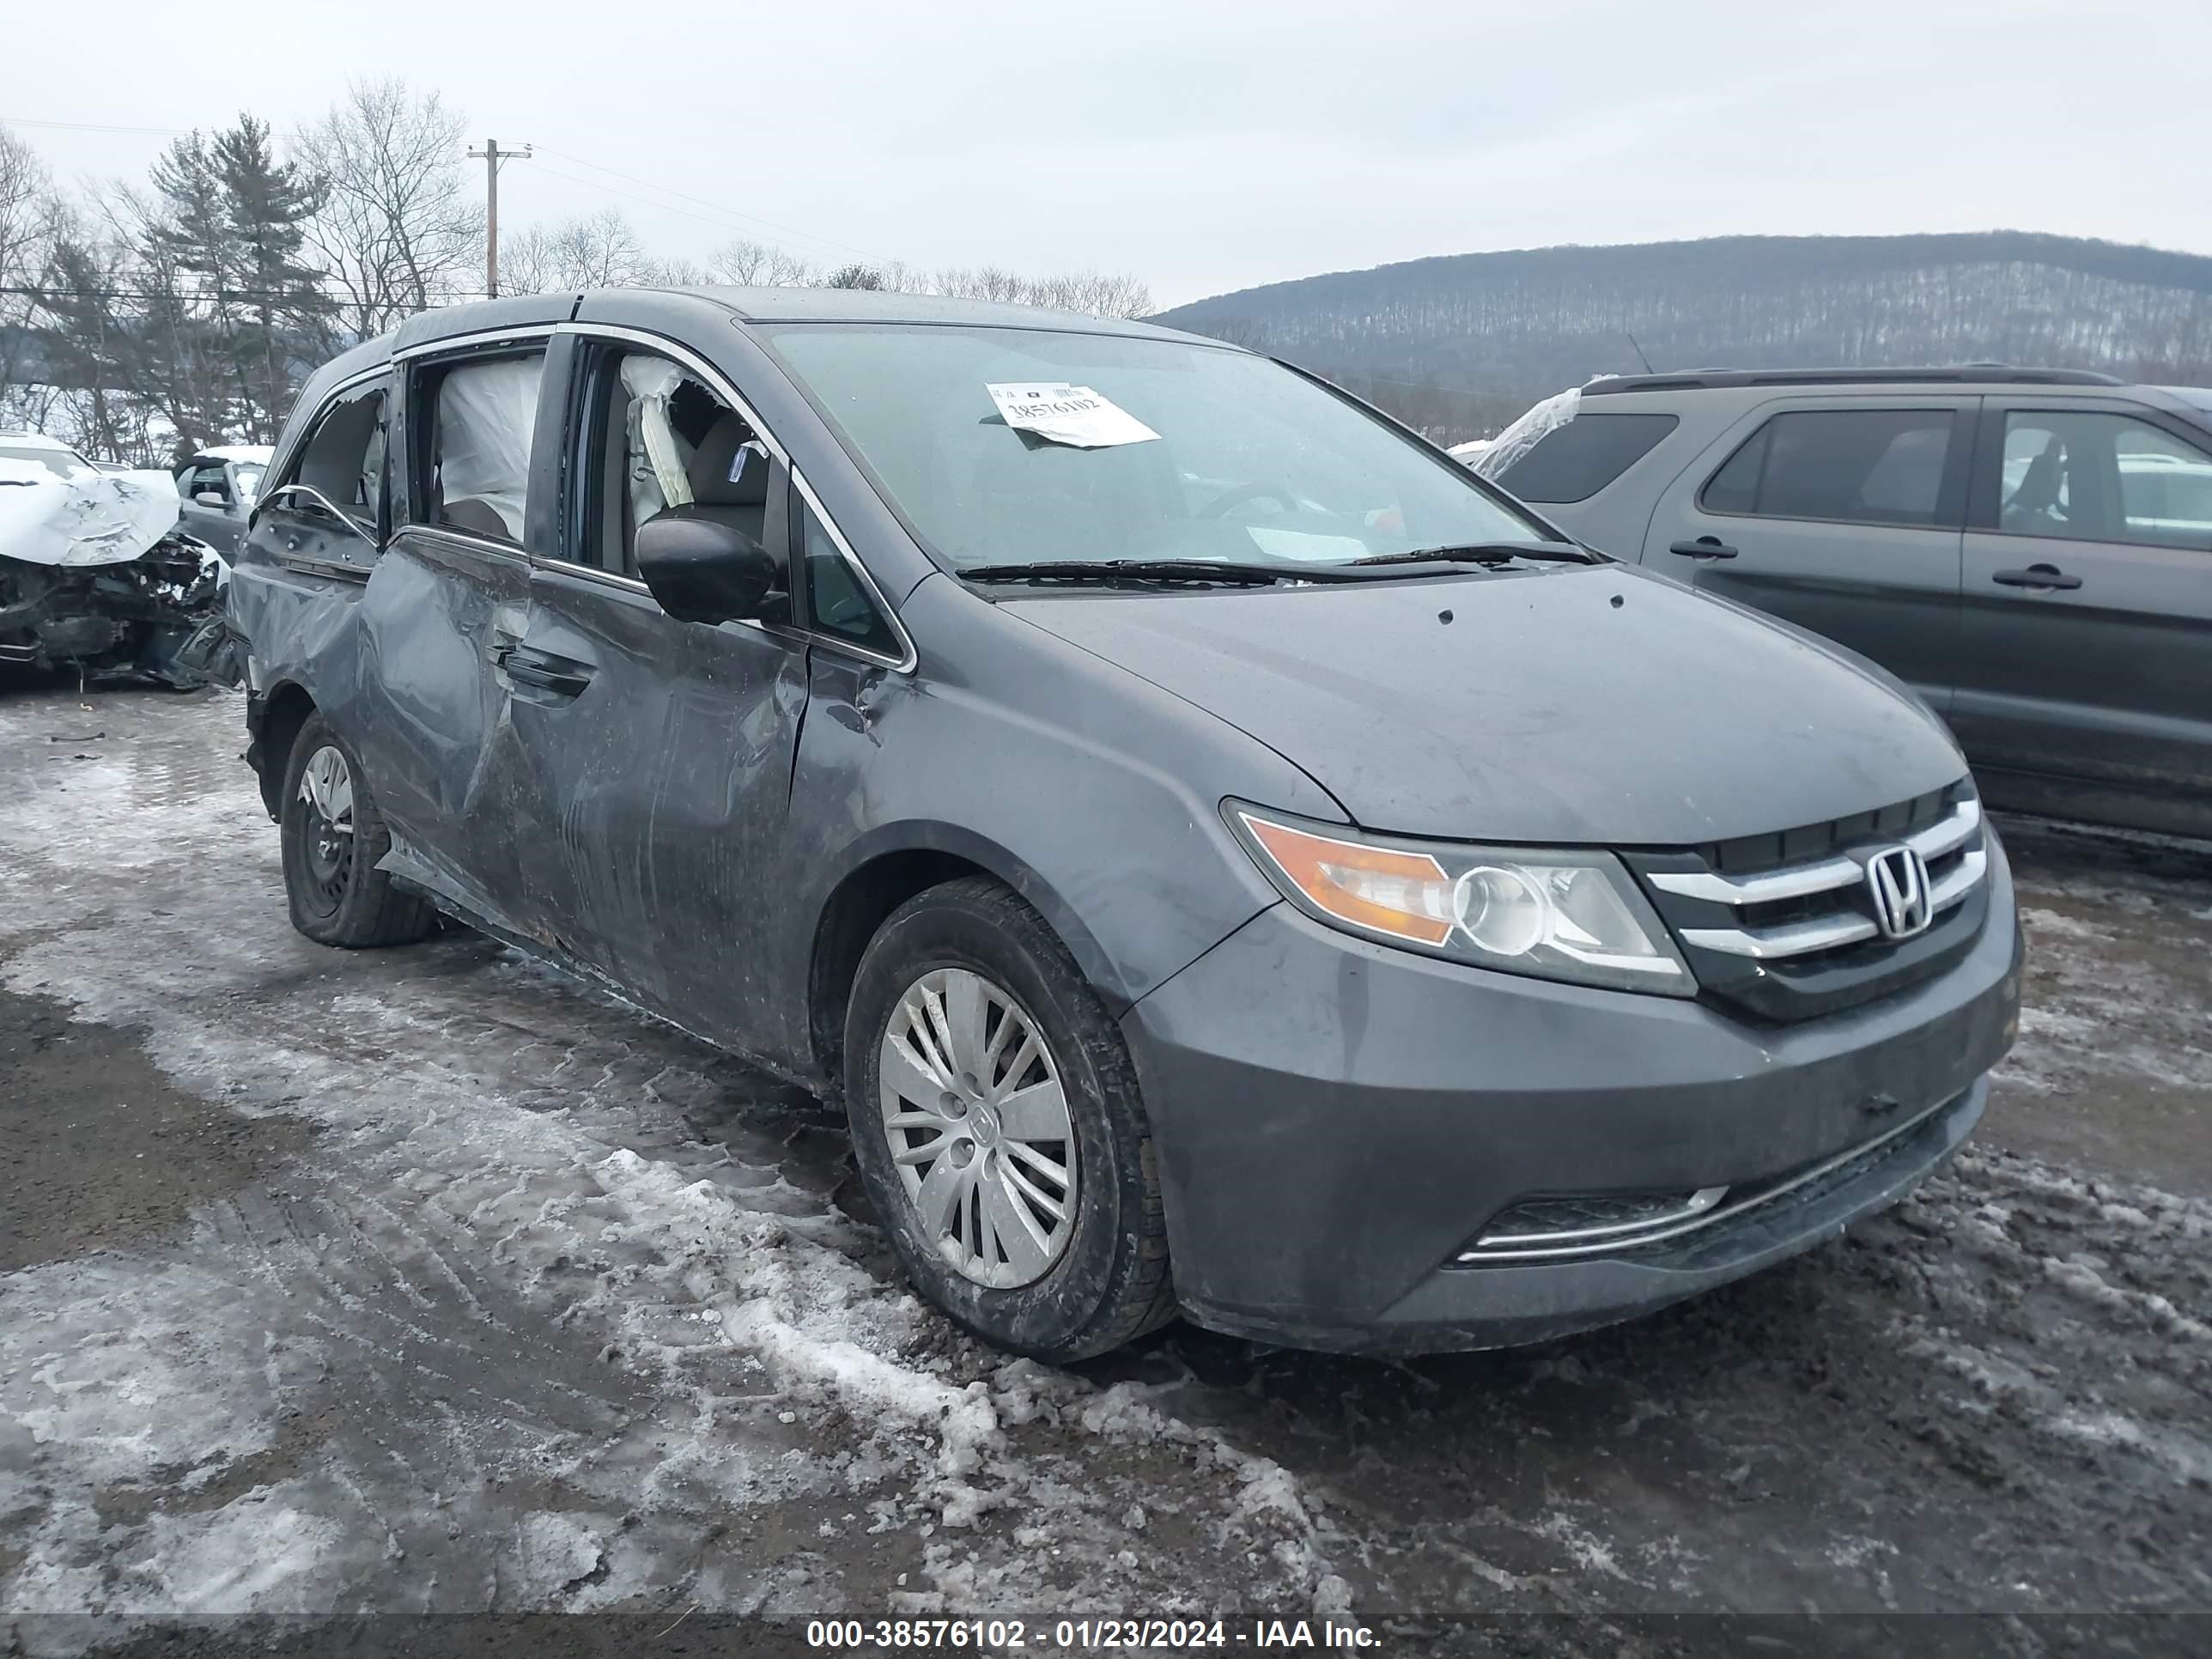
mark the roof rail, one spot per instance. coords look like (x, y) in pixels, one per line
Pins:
(1952, 374)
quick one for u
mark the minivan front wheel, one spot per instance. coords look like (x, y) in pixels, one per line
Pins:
(997, 1125)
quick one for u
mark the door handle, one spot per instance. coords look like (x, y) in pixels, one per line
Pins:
(1706, 547)
(528, 668)
(2043, 577)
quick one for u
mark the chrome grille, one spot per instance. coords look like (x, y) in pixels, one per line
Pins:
(1790, 926)
(1951, 849)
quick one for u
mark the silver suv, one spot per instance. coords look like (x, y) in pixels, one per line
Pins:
(2029, 548)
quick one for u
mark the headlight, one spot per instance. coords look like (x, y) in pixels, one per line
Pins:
(1559, 915)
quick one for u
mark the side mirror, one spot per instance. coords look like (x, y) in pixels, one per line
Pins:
(211, 498)
(702, 569)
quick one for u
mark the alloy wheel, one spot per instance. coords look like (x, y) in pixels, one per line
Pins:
(326, 834)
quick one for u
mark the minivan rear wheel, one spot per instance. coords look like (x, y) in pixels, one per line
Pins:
(998, 1128)
(333, 838)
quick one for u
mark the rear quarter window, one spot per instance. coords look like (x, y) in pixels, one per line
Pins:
(1884, 466)
(1573, 462)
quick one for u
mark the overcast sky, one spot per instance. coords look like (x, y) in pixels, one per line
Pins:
(1214, 146)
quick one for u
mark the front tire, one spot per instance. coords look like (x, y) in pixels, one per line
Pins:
(999, 1129)
(334, 838)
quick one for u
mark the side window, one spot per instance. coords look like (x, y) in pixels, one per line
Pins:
(209, 476)
(344, 459)
(475, 458)
(837, 602)
(660, 441)
(1572, 463)
(2102, 477)
(1858, 466)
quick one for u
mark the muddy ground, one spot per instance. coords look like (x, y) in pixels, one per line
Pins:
(427, 1281)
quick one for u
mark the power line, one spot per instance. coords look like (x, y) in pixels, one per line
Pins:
(92, 126)
(725, 213)
(724, 218)
(643, 201)
(181, 296)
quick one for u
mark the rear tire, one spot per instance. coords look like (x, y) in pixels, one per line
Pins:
(333, 839)
(1057, 1268)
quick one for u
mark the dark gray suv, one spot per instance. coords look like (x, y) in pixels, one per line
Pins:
(1223, 855)
(2031, 549)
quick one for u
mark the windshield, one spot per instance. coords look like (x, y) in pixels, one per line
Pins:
(1206, 453)
(63, 464)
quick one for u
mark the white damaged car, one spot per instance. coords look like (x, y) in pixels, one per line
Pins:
(95, 574)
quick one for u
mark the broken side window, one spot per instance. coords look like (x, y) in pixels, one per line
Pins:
(476, 470)
(208, 478)
(343, 458)
(664, 442)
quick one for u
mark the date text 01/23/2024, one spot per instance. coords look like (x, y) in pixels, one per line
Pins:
(1011, 1635)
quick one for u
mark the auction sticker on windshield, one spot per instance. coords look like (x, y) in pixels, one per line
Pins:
(1067, 414)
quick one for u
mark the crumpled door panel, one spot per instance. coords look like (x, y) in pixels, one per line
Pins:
(433, 725)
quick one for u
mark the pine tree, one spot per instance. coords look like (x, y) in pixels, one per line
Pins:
(268, 203)
(231, 226)
(192, 318)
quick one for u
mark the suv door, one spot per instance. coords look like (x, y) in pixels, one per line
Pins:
(1842, 514)
(448, 596)
(658, 753)
(2086, 665)
(327, 519)
(218, 520)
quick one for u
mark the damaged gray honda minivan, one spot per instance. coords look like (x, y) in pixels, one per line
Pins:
(1225, 856)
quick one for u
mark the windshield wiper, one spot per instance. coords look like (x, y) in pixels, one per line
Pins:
(1486, 553)
(1135, 570)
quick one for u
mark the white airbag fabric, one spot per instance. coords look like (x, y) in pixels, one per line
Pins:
(486, 412)
(651, 382)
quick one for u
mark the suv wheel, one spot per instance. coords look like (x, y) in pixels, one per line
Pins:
(997, 1125)
(333, 839)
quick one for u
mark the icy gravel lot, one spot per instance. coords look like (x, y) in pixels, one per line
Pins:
(429, 1279)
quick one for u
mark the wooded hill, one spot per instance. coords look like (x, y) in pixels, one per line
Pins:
(1461, 343)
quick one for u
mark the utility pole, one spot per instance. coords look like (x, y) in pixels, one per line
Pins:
(492, 155)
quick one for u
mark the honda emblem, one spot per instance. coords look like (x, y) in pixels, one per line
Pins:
(1897, 877)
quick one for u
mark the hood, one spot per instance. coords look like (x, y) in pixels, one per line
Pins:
(108, 520)
(1580, 704)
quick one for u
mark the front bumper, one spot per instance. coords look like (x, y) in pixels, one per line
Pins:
(1336, 1121)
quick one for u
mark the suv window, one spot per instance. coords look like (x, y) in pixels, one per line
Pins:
(1572, 463)
(664, 442)
(2103, 478)
(343, 458)
(208, 475)
(1857, 466)
(837, 602)
(476, 463)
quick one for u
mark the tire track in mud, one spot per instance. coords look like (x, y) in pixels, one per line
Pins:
(563, 1313)
(525, 1326)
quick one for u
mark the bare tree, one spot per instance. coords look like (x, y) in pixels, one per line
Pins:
(29, 212)
(399, 230)
(601, 251)
(759, 264)
(1092, 292)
